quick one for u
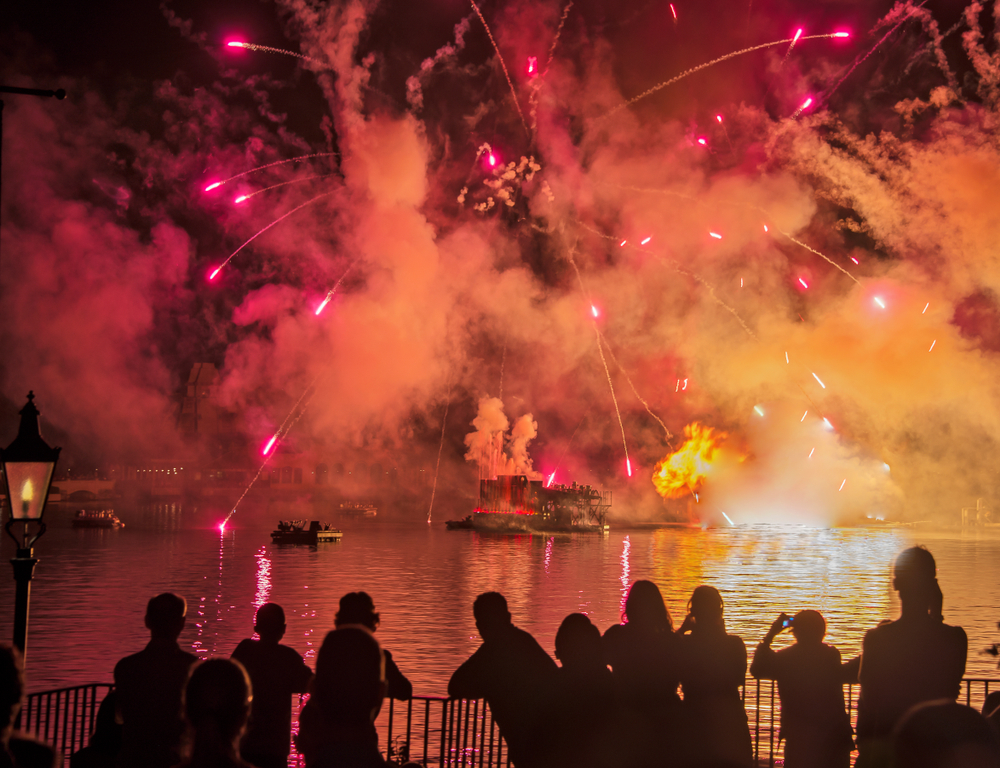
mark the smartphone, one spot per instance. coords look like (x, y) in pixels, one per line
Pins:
(787, 622)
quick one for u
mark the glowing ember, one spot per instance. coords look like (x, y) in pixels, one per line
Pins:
(240, 199)
(806, 103)
(593, 310)
(234, 44)
(532, 65)
(786, 357)
(812, 452)
(645, 241)
(841, 34)
(222, 527)
(925, 307)
(842, 485)
(322, 305)
(855, 260)
(622, 243)
(702, 140)
(932, 345)
(628, 466)
(492, 160)
(827, 424)
(270, 445)
(719, 118)
(820, 382)
(804, 283)
(217, 271)
(879, 301)
(759, 410)
(729, 520)
(684, 388)
(686, 470)
(673, 11)
(716, 235)
(803, 417)
(765, 227)
(741, 282)
(552, 478)
(798, 34)
(210, 187)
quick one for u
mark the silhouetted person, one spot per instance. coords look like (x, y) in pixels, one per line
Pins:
(18, 750)
(814, 721)
(150, 685)
(906, 662)
(714, 666)
(276, 673)
(359, 608)
(943, 734)
(512, 672)
(106, 740)
(336, 726)
(216, 707)
(643, 652)
(582, 710)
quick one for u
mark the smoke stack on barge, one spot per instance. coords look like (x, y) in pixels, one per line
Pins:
(515, 503)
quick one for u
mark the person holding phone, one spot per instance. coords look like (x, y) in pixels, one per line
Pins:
(814, 721)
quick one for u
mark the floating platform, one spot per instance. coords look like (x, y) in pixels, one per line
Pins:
(93, 518)
(517, 504)
(296, 532)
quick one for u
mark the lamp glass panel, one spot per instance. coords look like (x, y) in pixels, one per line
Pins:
(28, 482)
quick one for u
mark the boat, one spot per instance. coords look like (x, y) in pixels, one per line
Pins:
(517, 504)
(296, 532)
(96, 518)
(358, 509)
(465, 524)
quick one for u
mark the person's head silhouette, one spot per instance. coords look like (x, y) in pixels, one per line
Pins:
(11, 688)
(914, 577)
(644, 607)
(578, 643)
(357, 608)
(350, 674)
(165, 616)
(217, 701)
(944, 734)
(269, 622)
(706, 607)
(809, 627)
(492, 616)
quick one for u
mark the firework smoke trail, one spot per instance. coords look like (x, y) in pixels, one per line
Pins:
(711, 63)
(333, 290)
(261, 232)
(503, 362)
(269, 49)
(244, 198)
(825, 258)
(218, 184)
(636, 392)
(555, 40)
(437, 467)
(503, 64)
(788, 53)
(607, 371)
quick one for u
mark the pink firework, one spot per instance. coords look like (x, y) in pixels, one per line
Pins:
(593, 311)
(213, 185)
(628, 466)
(644, 242)
(673, 11)
(803, 283)
(532, 65)
(269, 446)
(217, 271)
(552, 478)
(716, 235)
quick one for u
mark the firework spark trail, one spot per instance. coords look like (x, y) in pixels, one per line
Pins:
(607, 371)
(568, 446)
(636, 392)
(712, 63)
(217, 184)
(825, 258)
(788, 53)
(503, 362)
(555, 40)
(282, 51)
(244, 198)
(333, 290)
(877, 45)
(437, 467)
(503, 64)
(279, 434)
(261, 232)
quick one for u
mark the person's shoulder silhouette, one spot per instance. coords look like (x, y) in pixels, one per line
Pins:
(359, 608)
(18, 750)
(149, 687)
(276, 673)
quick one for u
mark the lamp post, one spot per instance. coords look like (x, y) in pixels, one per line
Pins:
(28, 465)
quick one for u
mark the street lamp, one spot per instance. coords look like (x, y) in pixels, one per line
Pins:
(28, 465)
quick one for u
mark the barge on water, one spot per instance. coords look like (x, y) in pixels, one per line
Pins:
(517, 504)
(295, 532)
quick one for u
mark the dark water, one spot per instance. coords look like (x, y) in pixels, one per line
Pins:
(91, 586)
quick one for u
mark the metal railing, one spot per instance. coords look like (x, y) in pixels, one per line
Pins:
(431, 730)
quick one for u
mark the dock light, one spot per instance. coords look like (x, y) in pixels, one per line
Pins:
(28, 466)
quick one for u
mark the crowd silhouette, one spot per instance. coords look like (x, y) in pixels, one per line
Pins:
(643, 694)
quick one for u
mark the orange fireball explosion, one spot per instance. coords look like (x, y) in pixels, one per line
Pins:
(685, 470)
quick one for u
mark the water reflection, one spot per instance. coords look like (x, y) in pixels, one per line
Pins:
(90, 592)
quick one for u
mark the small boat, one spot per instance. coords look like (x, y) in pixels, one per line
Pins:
(96, 518)
(296, 532)
(465, 524)
(358, 509)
